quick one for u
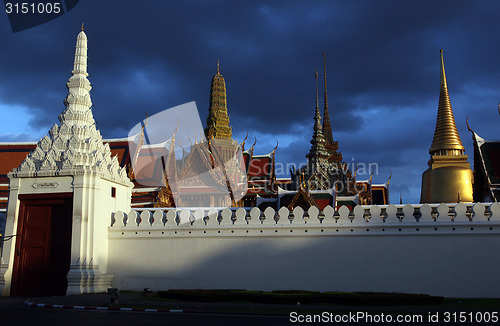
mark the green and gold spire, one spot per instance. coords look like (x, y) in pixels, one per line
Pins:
(327, 128)
(318, 152)
(218, 119)
(330, 145)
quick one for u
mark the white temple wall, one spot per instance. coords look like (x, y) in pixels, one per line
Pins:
(452, 258)
(93, 207)
(103, 208)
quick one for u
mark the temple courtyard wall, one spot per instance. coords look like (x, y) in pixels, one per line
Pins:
(450, 250)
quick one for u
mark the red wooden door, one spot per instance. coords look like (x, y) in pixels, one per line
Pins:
(43, 249)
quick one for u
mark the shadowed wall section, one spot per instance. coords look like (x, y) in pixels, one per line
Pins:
(432, 249)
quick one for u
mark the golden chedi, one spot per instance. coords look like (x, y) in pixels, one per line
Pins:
(449, 176)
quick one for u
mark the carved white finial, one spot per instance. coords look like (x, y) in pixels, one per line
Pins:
(76, 146)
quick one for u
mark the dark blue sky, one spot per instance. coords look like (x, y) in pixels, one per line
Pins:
(382, 67)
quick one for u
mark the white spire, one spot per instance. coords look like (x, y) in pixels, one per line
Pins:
(80, 66)
(75, 146)
(78, 102)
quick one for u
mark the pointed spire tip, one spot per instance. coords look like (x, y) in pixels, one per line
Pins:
(327, 129)
(446, 135)
(316, 75)
(443, 73)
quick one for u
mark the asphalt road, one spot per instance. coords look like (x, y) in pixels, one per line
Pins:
(42, 317)
(18, 315)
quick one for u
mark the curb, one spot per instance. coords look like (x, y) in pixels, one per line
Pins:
(29, 304)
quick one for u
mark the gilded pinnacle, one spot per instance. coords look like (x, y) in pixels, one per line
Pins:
(446, 138)
(449, 177)
(443, 74)
(218, 119)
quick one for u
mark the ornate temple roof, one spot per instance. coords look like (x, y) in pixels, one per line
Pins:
(260, 173)
(486, 168)
(446, 137)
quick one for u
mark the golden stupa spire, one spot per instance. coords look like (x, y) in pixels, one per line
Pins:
(449, 172)
(446, 139)
(218, 66)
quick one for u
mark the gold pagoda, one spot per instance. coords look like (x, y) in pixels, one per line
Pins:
(218, 131)
(449, 176)
(218, 119)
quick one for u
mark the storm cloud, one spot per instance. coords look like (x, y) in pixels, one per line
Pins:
(382, 67)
